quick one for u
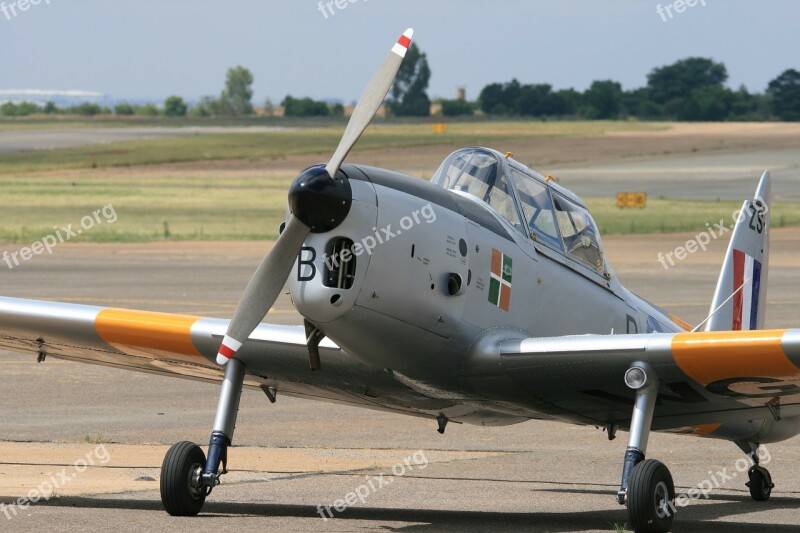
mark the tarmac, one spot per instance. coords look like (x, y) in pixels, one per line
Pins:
(296, 454)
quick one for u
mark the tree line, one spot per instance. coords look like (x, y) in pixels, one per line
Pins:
(692, 89)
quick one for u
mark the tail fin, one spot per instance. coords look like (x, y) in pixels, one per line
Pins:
(741, 297)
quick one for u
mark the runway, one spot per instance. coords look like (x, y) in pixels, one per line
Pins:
(48, 139)
(296, 454)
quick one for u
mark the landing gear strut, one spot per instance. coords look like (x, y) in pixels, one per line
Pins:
(187, 476)
(646, 487)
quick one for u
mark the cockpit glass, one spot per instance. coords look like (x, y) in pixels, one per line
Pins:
(537, 209)
(579, 232)
(479, 173)
(545, 215)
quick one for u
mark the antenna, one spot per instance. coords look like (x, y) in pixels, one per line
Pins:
(714, 312)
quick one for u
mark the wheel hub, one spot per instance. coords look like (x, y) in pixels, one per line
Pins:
(661, 500)
(195, 484)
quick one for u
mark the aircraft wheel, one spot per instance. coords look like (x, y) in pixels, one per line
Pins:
(650, 497)
(181, 491)
(760, 483)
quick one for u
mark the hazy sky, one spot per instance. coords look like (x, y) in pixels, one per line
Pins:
(154, 48)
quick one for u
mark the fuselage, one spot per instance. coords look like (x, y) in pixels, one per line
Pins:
(428, 271)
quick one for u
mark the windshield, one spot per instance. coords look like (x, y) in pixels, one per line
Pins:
(528, 203)
(580, 235)
(480, 174)
(537, 209)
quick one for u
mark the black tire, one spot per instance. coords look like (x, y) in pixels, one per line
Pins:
(760, 483)
(651, 496)
(178, 495)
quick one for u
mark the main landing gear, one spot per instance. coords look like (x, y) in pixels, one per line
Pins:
(187, 476)
(646, 488)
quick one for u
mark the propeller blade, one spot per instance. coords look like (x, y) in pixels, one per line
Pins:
(370, 102)
(264, 288)
(269, 279)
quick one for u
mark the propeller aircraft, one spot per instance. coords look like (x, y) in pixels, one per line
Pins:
(502, 310)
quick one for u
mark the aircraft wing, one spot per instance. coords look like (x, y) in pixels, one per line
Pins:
(185, 346)
(706, 378)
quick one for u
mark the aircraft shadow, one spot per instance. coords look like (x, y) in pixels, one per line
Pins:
(691, 518)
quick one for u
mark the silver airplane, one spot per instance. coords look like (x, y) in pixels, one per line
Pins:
(481, 297)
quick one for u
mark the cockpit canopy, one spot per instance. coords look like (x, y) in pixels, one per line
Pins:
(526, 201)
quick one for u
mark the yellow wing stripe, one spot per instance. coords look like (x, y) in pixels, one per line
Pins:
(147, 331)
(713, 356)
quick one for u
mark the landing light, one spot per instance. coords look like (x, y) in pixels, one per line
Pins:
(635, 378)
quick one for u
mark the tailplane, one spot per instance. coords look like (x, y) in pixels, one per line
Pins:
(741, 296)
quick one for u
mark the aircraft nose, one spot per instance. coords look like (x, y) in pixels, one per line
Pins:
(321, 203)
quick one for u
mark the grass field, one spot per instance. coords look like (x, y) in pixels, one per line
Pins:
(247, 206)
(43, 189)
(315, 140)
(168, 206)
(670, 216)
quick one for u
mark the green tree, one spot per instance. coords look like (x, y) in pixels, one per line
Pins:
(603, 100)
(747, 106)
(238, 94)
(8, 109)
(174, 106)
(304, 107)
(637, 103)
(204, 107)
(337, 110)
(457, 108)
(147, 110)
(87, 109)
(50, 108)
(408, 95)
(500, 99)
(710, 103)
(677, 81)
(535, 100)
(22, 109)
(785, 93)
(570, 99)
(123, 109)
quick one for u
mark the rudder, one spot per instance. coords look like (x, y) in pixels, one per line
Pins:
(741, 295)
